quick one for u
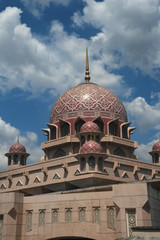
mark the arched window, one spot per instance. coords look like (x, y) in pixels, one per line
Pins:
(98, 139)
(22, 160)
(82, 214)
(55, 215)
(9, 160)
(52, 132)
(82, 140)
(29, 221)
(100, 124)
(83, 164)
(111, 218)
(91, 163)
(113, 129)
(100, 164)
(15, 159)
(96, 215)
(59, 153)
(156, 158)
(89, 137)
(124, 131)
(41, 217)
(64, 129)
(78, 124)
(119, 152)
(68, 215)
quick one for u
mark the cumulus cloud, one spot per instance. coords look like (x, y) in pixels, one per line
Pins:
(143, 151)
(36, 7)
(144, 115)
(35, 64)
(130, 29)
(8, 136)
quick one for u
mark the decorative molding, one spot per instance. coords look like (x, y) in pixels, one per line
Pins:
(56, 176)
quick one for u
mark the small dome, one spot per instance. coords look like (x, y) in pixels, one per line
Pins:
(91, 147)
(17, 148)
(89, 127)
(156, 146)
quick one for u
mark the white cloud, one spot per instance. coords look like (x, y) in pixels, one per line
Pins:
(36, 7)
(131, 29)
(145, 116)
(8, 136)
(143, 151)
(35, 64)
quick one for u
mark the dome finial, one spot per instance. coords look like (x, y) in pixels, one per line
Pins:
(18, 139)
(87, 76)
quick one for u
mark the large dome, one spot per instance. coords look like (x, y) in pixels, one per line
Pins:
(88, 99)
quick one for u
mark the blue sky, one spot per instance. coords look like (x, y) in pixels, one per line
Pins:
(42, 54)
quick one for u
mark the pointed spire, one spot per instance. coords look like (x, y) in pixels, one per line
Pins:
(18, 139)
(87, 76)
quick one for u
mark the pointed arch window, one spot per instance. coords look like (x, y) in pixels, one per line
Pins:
(100, 164)
(100, 124)
(156, 158)
(29, 221)
(41, 217)
(78, 124)
(91, 163)
(15, 159)
(64, 129)
(111, 218)
(68, 215)
(83, 164)
(82, 214)
(55, 215)
(96, 215)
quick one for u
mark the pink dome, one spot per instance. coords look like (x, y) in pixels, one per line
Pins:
(156, 146)
(89, 127)
(91, 147)
(88, 99)
(17, 148)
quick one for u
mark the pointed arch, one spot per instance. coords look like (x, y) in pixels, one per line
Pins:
(64, 128)
(78, 124)
(59, 153)
(119, 152)
(100, 123)
(112, 127)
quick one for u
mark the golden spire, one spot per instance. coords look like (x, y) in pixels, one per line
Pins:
(87, 76)
(18, 139)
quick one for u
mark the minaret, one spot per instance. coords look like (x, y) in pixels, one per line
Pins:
(87, 76)
(17, 155)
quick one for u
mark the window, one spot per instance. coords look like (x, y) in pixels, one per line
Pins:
(29, 221)
(78, 124)
(68, 215)
(41, 217)
(100, 124)
(131, 220)
(9, 160)
(82, 140)
(64, 129)
(15, 159)
(59, 153)
(119, 152)
(55, 215)
(82, 214)
(124, 131)
(98, 139)
(83, 165)
(100, 164)
(156, 158)
(1, 226)
(22, 160)
(52, 132)
(113, 129)
(111, 218)
(96, 215)
(91, 163)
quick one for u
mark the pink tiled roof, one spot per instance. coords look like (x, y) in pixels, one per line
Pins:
(85, 98)
(91, 147)
(156, 146)
(17, 148)
(89, 127)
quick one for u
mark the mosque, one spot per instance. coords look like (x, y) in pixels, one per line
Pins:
(88, 184)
